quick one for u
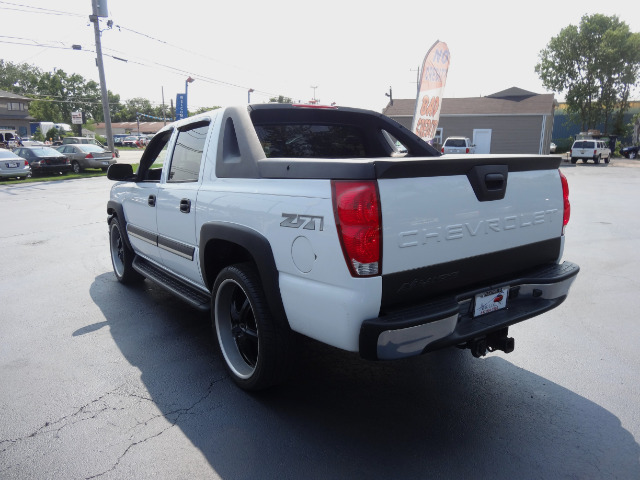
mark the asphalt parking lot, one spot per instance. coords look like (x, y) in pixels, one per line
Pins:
(105, 381)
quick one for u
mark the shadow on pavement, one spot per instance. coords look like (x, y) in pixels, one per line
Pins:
(445, 415)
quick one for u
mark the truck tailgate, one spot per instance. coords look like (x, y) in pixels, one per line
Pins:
(442, 232)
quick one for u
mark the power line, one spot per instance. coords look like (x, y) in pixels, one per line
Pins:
(48, 44)
(32, 9)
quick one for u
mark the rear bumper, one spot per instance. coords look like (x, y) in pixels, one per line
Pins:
(97, 162)
(52, 168)
(449, 320)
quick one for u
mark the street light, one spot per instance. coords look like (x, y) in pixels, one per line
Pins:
(186, 96)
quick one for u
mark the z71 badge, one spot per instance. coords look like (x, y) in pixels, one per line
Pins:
(307, 222)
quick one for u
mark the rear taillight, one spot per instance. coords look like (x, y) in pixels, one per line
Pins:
(567, 205)
(357, 211)
(442, 150)
(467, 149)
(89, 155)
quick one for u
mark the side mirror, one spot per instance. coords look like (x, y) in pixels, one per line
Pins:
(120, 172)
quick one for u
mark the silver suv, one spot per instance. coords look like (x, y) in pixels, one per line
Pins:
(595, 150)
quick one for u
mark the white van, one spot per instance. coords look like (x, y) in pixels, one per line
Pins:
(8, 138)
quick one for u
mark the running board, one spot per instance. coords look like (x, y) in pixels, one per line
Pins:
(188, 293)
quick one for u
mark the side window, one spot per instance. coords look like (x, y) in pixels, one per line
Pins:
(150, 169)
(187, 153)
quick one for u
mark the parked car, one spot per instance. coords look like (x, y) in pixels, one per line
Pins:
(33, 143)
(88, 141)
(87, 156)
(630, 152)
(118, 138)
(44, 159)
(457, 145)
(590, 149)
(13, 166)
(131, 141)
(552, 148)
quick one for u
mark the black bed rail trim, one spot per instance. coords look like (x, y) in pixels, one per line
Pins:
(407, 167)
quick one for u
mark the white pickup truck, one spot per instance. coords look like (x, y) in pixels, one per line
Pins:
(284, 220)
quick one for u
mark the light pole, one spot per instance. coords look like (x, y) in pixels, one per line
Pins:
(249, 95)
(186, 94)
(314, 94)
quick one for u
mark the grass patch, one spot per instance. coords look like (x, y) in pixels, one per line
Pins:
(53, 178)
(89, 173)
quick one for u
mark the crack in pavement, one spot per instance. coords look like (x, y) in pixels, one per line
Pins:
(98, 408)
(179, 412)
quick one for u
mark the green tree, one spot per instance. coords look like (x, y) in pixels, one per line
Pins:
(202, 110)
(596, 63)
(280, 99)
(18, 78)
(56, 94)
(52, 134)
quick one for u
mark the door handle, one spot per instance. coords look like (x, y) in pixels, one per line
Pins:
(185, 205)
(151, 201)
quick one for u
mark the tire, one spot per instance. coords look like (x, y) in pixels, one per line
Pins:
(596, 160)
(574, 160)
(257, 350)
(121, 255)
(76, 167)
(606, 160)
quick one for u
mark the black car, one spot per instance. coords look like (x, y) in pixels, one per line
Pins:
(44, 160)
(630, 152)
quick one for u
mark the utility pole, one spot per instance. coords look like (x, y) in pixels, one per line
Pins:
(94, 17)
(314, 93)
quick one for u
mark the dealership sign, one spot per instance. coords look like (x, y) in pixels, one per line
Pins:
(433, 78)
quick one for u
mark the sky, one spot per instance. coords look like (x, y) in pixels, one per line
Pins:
(343, 51)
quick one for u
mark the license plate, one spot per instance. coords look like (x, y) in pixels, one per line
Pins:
(11, 165)
(105, 163)
(490, 301)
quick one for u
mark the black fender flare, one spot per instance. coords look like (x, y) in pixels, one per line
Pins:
(116, 209)
(260, 250)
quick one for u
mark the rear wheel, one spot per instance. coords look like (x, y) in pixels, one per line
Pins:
(574, 160)
(596, 160)
(255, 346)
(76, 167)
(121, 254)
